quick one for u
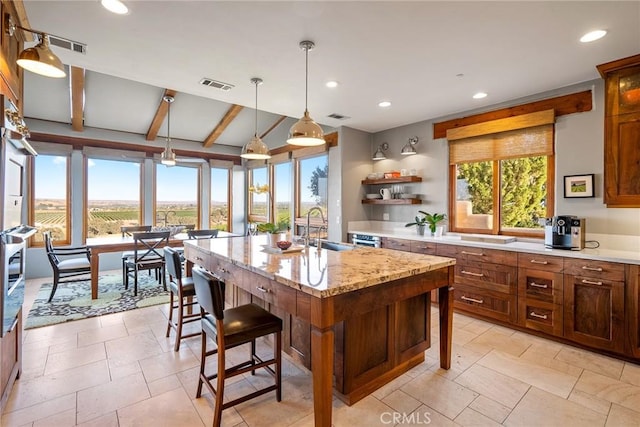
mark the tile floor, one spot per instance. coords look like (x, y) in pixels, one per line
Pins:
(120, 370)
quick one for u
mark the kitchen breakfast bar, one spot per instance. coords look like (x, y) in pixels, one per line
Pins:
(357, 317)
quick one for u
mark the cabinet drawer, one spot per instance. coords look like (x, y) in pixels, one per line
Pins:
(541, 316)
(273, 293)
(464, 253)
(499, 278)
(423, 247)
(542, 262)
(497, 305)
(397, 244)
(540, 285)
(227, 272)
(600, 269)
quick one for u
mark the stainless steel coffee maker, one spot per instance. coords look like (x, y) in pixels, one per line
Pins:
(564, 232)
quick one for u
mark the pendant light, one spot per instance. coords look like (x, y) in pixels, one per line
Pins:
(38, 59)
(379, 154)
(168, 157)
(256, 149)
(306, 132)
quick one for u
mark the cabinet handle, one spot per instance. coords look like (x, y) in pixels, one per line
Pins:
(472, 253)
(586, 267)
(470, 273)
(539, 316)
(538, 285)
(533, 261)
(591, 282)
(261, 289)
(479, 301)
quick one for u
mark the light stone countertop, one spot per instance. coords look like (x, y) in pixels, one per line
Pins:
(321, 273)
(628, 255)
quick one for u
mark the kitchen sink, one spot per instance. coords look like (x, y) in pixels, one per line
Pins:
(334, 246)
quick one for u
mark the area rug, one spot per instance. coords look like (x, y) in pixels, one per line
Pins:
(72, 301)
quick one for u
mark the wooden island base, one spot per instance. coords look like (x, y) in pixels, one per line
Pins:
(354, 342)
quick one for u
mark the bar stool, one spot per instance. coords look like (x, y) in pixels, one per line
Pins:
(181, 290)
(230, 328)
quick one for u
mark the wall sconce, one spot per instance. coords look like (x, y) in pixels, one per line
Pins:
(379, 154)
(38, 59)
(409, 147)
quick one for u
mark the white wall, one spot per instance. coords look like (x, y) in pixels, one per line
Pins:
(579, 150)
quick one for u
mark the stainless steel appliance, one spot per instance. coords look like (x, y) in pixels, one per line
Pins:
(366, 240)
(564, 232)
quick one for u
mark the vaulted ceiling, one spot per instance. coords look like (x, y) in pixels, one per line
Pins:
(427, 58)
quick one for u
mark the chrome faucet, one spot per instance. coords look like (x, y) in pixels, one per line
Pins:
(313, 209)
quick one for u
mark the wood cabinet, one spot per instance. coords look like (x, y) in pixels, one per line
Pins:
(594, 303)
(485, 281)
(540, 293)
(622, 132)
(397, 244)
(374, 185)
(10, 72)
(10, 359)
(632, 307)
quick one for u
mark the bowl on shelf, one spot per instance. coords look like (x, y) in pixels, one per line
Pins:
(372, 175)
(283, 244)
(373, 196)
(408, 196)
(392, 174)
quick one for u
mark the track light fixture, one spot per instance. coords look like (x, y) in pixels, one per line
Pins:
(256, 149)
(305, 131)
(379, 154)
(409, 147)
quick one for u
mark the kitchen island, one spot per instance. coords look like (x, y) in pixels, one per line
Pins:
(358, 318)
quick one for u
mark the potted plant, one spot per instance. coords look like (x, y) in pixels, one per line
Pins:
(272, 230)
(427, 219)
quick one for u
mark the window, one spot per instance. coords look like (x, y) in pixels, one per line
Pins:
(282, 195)
(312, 183)
(500, 182)
(50, 197)
(258, 200)
(177, 190)
(219, 210)
(113, 196)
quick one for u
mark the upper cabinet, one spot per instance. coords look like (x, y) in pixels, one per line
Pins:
(10, 72)
(622, 132)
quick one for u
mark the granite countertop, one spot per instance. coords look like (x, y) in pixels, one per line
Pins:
(626, 255)
(321, 273)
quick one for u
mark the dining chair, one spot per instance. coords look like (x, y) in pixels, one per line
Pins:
(230, 328)
(202, 234)
(69, 263)
(181, 297)
(127, 231)
(147, 255)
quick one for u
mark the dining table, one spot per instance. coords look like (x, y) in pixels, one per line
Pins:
(100, 245)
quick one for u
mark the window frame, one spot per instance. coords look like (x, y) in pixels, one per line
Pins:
(302, 220)
(252, 217)
(85, 187)
(31, 165)
(154, 201)
(229, 199)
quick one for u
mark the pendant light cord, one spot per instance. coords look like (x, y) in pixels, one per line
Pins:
(306, 78)
(168, 122)
(256, 121)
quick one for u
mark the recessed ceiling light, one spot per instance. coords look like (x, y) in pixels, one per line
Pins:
(593, 36)
(384, 104)
(115, 6)
(332, 84)
(479, 95)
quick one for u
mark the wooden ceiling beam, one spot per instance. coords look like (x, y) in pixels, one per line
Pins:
(231, 114)
(161, 113)
(77, 99)
(273, 126)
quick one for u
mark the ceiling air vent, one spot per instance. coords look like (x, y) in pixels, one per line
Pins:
(216, 84)
(65, 44)
(338, 116)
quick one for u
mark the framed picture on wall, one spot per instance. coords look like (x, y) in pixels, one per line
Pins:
(576, 186)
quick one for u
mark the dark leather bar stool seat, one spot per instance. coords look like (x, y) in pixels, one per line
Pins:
(182, 294)
(230, 328)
